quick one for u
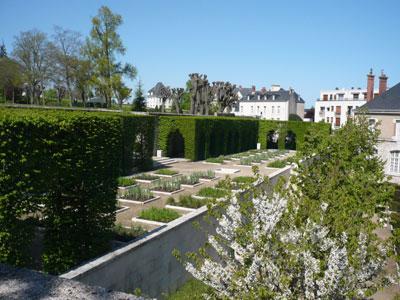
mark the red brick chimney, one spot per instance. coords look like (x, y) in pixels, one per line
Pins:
(370, 86)
(382, 83)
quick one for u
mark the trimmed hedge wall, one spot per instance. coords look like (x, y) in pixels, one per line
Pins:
(205, 137)
(299, 129)
(64, 165)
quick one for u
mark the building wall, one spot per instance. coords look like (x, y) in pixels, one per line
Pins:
(153, 102)
(347, 94)
(265, 110)
(322, 113)
(389, 139)
(300, 110)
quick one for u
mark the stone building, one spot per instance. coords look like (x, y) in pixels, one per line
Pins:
(273, 104)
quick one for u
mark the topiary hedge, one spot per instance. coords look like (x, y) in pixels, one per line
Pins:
(63, 166)
(296, 130)
(203, 137)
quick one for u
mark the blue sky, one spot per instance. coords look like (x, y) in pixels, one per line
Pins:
(308, 45)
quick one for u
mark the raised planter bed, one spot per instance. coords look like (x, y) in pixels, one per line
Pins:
(146, 178)
(191, 185)
(123, 188)
(147, 222)
(227, 171)
(186, 201)
(137, 201)
(180, 208)
(209, 179)
(166, 173)
(166, 176)
(121, 209)
(156, 214)
(212, 163)
(167, 193)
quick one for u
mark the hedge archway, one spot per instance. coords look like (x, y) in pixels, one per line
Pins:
(290, 140)
(272, 139)
(176, 144)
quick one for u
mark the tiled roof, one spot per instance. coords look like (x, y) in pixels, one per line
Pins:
(388, 101)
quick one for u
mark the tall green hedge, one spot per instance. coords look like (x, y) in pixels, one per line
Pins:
(63, 165)
(208, 136)
(284, 127)
(212, 136)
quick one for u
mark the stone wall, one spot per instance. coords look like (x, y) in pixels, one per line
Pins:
(148, 263)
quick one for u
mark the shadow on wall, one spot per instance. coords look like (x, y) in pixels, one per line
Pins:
(176, 144)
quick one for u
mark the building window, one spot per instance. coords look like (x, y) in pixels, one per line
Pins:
(394, 161)
(258, 109)
(341, 96)
(265, 109)
(397, 130)
(356, 96)
(325, 97)
(273, 108)
(278, 109)
(330, 97)
(337, 122)
(251, 108)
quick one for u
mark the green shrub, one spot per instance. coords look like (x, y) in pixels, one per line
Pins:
(280, 163)
(124, 234)
(218, 160)
(136, 193)
(126, 181)
(166, 172)
(210, 192)
(187, 201)
(246, 161)
(193, 289)
(164, 215)
(67, 162)
(243, 180)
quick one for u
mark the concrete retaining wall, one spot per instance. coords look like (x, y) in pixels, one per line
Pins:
(148, 263)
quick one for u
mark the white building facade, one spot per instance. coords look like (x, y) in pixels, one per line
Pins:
(154, 97)
(273, 104)
(336, 106)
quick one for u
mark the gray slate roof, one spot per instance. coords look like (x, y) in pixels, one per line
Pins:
(388, 101)
(280, 96)
(156, 90)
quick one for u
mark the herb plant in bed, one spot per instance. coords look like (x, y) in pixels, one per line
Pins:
(164, 215)
(167, 186)
(209, 192)
(216, 160)
(137, 193)
(124, 234)
(190, 180)
(187, 201)
(126, 182)
(208, 175)
(146, 177)
(166, 172)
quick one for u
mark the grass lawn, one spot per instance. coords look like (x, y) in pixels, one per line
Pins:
(192, 289)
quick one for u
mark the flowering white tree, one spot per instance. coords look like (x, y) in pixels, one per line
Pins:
(284, 245)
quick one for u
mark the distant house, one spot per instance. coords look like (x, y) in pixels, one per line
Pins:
(154, 97)
(385, 109)
(273, 104)
(336, 106)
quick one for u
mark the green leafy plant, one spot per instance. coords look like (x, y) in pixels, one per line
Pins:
(137, 193)
(126, 181)
(124, 234)
(146, 177)
(167, 185)
(218, 160)
(164, 215)
(210, 174)
(191, 179)
(246, 161)
(166, 172)
(187, 201)
(281, 163)
(210, 192)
